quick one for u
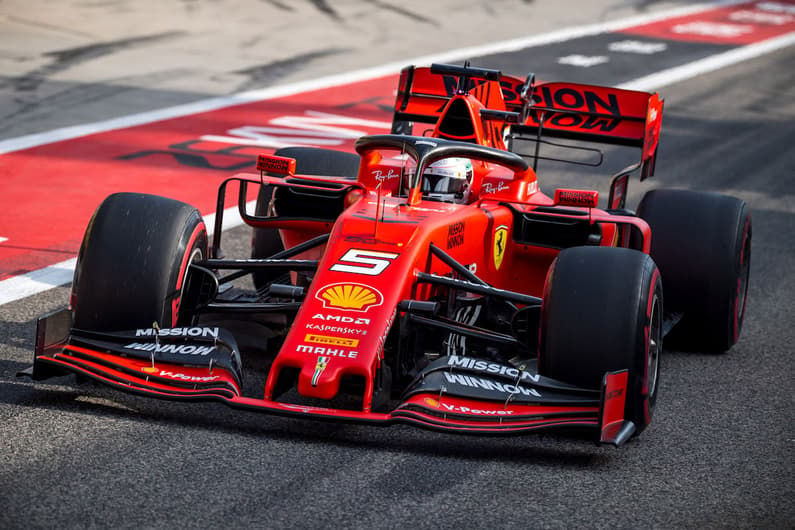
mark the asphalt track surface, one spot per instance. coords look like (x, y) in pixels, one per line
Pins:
(718, 454)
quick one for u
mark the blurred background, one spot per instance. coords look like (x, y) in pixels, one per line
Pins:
(70, 62)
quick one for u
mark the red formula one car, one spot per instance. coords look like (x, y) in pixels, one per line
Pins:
(424, 279)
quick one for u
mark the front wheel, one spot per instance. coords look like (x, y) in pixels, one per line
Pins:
(133, 261)
(602, 312)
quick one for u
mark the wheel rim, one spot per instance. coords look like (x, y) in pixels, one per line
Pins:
(655, 348)
(742, 286)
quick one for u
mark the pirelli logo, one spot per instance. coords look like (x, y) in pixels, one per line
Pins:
(278, 165)
(334, 341)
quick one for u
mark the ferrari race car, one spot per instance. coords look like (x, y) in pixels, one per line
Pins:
(425, 279)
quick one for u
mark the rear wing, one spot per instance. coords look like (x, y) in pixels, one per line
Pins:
(534, 109)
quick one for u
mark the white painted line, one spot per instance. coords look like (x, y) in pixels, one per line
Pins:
(231, 220)
(41, 280)
(76, 131)
(709, 64)
(38, 281)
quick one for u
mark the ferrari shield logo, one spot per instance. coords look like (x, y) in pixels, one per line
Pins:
(321, 364)
(500, 240)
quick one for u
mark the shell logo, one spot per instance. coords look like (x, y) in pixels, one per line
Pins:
(149, 369)
(349, 297)
(432, 403)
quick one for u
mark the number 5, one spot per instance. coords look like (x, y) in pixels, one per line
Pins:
(369, 262)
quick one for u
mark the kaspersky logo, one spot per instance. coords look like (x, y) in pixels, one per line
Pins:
(349, 297)
(320, 365)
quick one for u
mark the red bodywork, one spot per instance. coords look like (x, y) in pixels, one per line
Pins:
(380, 245)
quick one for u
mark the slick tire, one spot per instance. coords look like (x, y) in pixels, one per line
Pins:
(602, 312)
(266, 242)
(133, 261)
(702, 244)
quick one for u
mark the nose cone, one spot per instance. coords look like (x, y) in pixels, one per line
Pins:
(320, 378)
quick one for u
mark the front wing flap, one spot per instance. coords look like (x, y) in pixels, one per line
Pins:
(177, 362)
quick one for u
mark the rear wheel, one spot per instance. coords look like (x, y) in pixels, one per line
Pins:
(602, 312)
(133, 260)
(702, 245)
(266, 242)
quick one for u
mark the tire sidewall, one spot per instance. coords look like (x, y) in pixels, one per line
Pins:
(642, 397)
(194, 250)
(739, 297)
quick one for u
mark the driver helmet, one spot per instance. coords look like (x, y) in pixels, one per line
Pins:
(448, 180)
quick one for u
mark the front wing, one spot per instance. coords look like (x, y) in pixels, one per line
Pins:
(453, 394)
